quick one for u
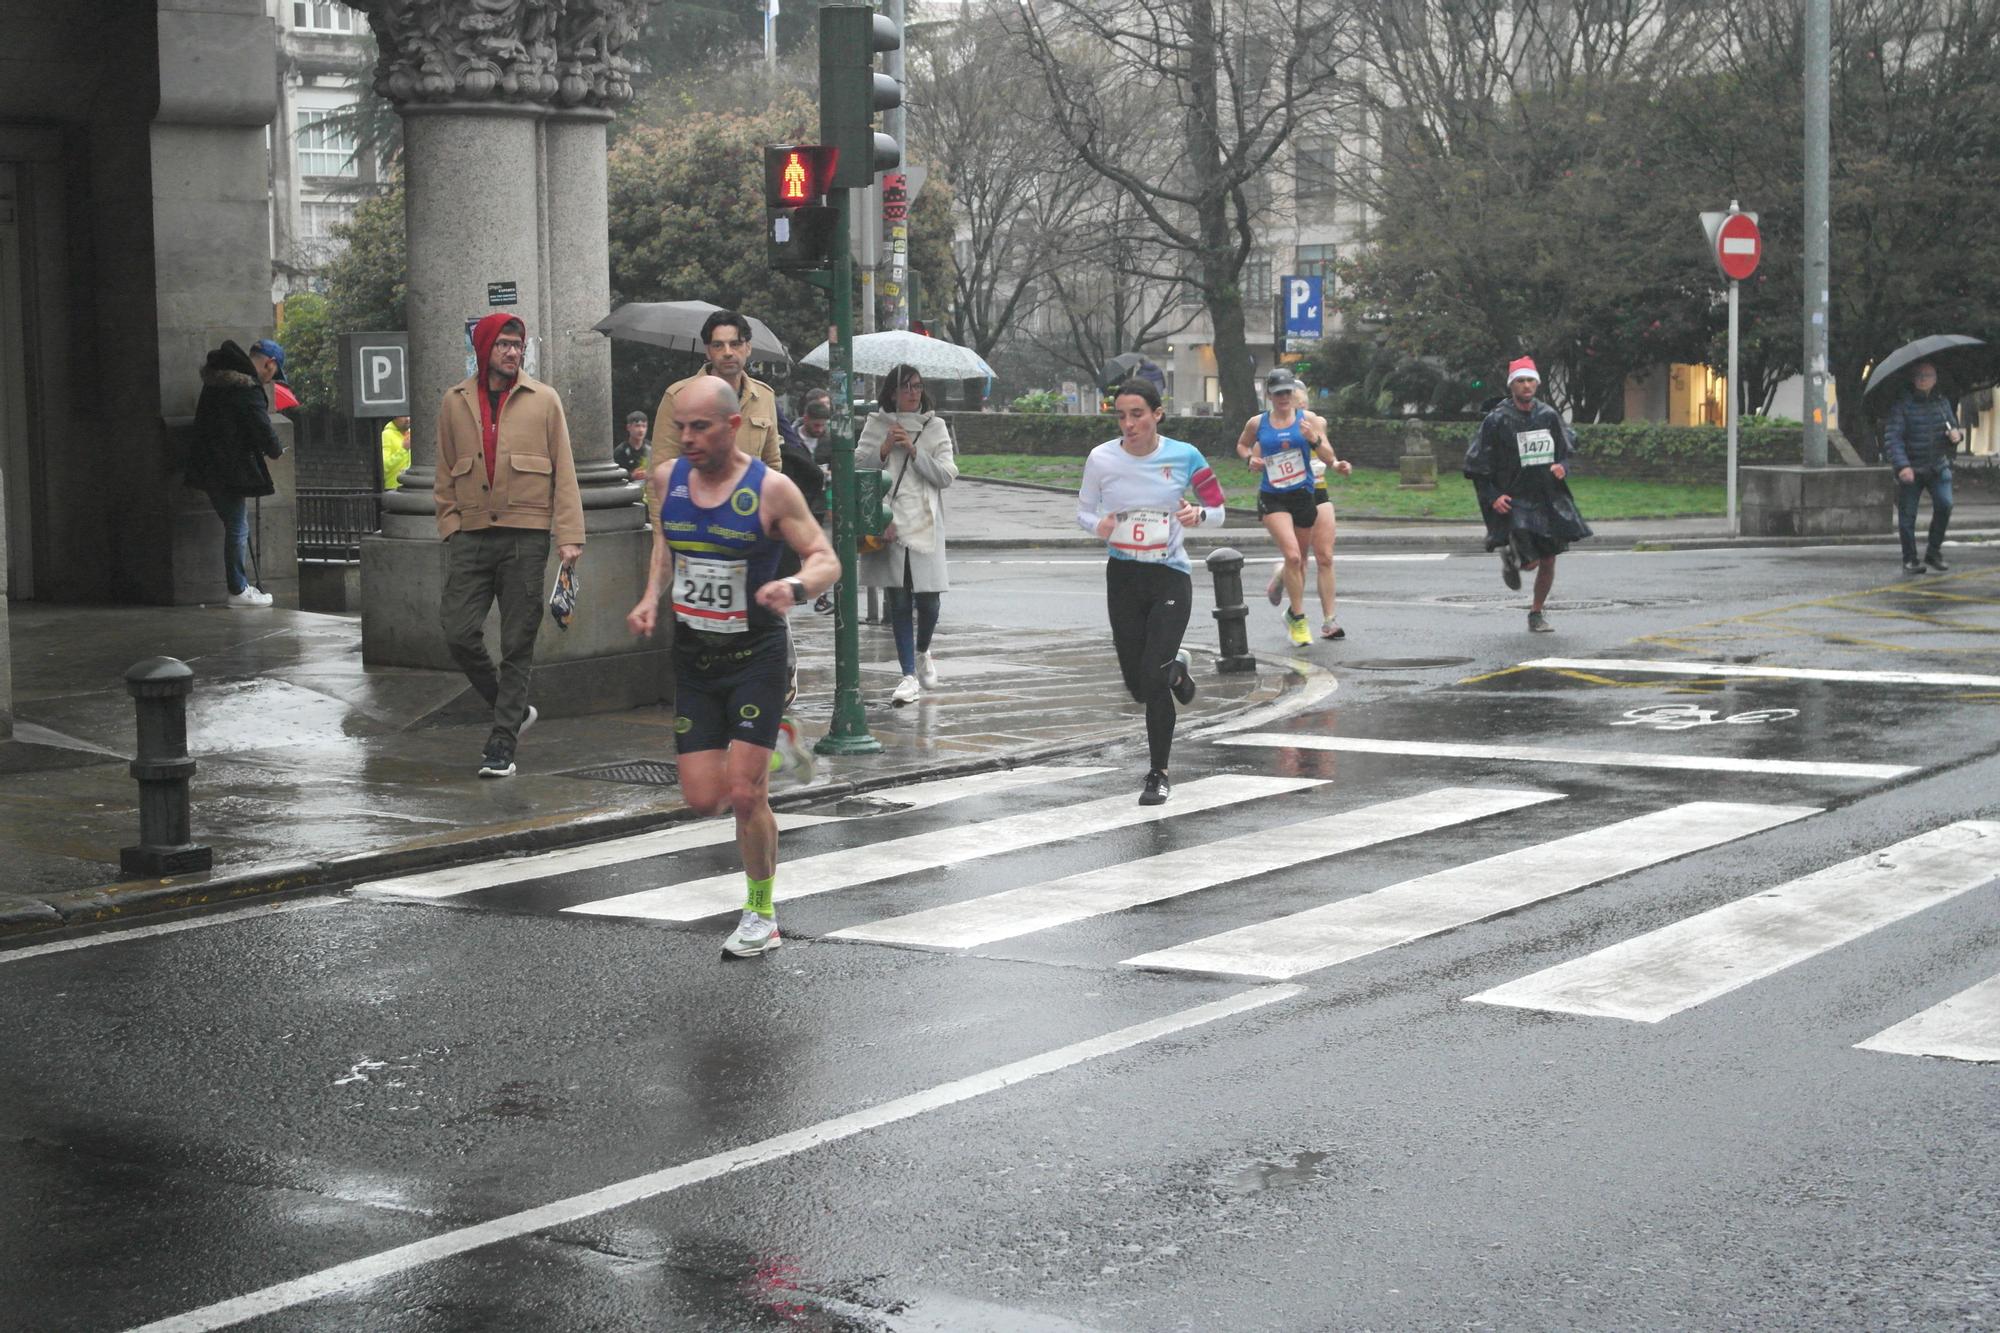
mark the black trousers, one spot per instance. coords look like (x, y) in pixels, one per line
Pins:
(1149, 606)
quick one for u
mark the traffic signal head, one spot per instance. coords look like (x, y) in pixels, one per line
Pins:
(796, 174)
(798, 224)
(851, 92)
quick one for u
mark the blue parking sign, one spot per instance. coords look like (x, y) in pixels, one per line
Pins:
(1303, 318)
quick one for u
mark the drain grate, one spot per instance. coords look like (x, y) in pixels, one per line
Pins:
(644, 772)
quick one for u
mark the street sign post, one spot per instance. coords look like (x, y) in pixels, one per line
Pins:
(1738, 246)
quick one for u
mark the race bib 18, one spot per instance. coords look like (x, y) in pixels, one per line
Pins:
(711, 594)
(1287, 468)
(1143, 534)
(1536, 447)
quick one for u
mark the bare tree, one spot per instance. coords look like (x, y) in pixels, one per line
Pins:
(1237, 78)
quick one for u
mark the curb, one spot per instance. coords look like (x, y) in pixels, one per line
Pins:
(33, 918)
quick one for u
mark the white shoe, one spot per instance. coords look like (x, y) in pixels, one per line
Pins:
(248, 599)
(906, 691)
(790, 754)
(534, 716)
(927, 675)
(753, 935)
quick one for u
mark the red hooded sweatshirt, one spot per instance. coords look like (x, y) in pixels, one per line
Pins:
(483, 334)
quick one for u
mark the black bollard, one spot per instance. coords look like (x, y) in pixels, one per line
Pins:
(1231, 616)
(161, 686)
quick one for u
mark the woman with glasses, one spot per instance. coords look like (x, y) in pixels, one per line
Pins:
(907, 440)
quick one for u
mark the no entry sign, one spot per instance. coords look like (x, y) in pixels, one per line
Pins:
(1738, 246)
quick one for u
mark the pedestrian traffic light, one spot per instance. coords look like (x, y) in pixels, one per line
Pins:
(799, 224)
(851, 92)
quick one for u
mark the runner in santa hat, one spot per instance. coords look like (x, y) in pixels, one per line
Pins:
(1517, 463)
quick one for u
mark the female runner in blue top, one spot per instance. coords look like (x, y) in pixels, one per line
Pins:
(1134, 495)
(1282, 444)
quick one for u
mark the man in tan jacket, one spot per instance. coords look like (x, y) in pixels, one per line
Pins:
(726, 336)
(506, 485)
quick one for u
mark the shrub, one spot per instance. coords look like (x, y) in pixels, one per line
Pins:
(1039, 400)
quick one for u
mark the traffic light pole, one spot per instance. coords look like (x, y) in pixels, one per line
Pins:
(849, 732)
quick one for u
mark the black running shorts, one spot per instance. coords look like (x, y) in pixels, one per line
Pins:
(1299, 504)
(732, 693)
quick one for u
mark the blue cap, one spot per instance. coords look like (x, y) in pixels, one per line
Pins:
(266, 347)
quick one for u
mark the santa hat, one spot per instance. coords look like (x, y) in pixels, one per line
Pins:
(1523, 368)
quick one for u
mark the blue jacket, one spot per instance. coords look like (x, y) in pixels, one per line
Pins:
(1914, 436)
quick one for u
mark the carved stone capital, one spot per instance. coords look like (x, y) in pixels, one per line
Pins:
(553, 54)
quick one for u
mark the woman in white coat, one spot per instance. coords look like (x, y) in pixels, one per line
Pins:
(908, 440)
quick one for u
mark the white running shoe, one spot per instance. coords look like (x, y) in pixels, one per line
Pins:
(791, 754)
(753, 935)
(534, 716)
(906, 691)
(927, 675)
(249, 599)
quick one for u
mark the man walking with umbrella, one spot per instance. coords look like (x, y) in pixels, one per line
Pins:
(725, 338)
(1918, 439)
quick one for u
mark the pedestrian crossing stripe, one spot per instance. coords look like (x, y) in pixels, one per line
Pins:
(455, 880)
(828, 871)
(1558, 754)
(1351, 928)
(1154, 879)
(1657, 975)
(1642, 667)
(1965, 1027)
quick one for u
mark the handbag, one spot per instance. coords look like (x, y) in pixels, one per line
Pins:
(870, 543)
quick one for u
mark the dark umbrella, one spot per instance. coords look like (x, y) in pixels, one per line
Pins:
(677, 325)
(1121, 368)
(1963, 364)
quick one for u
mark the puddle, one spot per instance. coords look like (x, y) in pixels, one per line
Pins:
(1301, 1169)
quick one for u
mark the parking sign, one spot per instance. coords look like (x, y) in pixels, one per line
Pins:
(1303, 308)
(375, 373)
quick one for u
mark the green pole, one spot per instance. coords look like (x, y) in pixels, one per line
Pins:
(849, 732)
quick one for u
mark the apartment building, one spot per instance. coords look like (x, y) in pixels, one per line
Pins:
(317, 175)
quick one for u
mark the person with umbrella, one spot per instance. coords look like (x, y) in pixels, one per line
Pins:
(908, 440)
(725, 338)
(1918, 439)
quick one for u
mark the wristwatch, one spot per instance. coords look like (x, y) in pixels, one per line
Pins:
(799, 594)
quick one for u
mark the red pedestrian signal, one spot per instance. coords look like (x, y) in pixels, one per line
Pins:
(796, 174)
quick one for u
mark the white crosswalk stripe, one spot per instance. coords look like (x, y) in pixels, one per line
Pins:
(456, 880)
(1154, 879)
(1643, 667)
(1965, 1027)
(1677, 967)
(828, 871)
(1353, 927)
(1559, 754)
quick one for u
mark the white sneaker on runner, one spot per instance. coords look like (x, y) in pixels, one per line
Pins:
(906, 691)
(534, 716)
(927, 673)
(753, 935)
(791, 754)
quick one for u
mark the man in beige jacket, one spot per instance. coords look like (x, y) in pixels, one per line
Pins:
(506, 485)
(726, 336)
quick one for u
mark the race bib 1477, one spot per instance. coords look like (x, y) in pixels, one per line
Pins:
(1536, 447)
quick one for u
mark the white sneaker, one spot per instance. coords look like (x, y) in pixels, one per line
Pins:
(927, 675)
(753, 935)
(791, 755)
(248, 599)
(906, 691)
(534, 716)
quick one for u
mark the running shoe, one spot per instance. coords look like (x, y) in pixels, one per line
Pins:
(534, 716)
(249, 599)
(753, 935)
(791, 754)
(498, 761)
(823, 604)
(1510, 567)
(906, 691)
(1274, 591)
(1182, 678)
(1296, 627)
(1539, 623)
(1330, 629)
(1157, 789)
(927, 673)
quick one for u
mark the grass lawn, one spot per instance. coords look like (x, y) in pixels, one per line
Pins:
(1371, 493)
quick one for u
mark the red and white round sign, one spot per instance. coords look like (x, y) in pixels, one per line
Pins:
(1738, 246)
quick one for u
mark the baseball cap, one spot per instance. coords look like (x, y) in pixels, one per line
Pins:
(1281, 380)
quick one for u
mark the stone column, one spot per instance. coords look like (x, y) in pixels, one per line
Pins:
(504, 108)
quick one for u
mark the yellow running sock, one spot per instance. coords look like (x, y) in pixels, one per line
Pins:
(760, 897)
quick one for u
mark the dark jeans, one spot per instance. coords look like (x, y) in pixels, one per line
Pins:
(1907, 496)
(503, 564)
(913, 632)
(234, 511)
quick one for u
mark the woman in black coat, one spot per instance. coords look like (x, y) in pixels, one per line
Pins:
(232, 438)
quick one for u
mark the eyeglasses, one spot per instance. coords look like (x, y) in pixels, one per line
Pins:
(909, 384)
(514, 344)
(728, 344)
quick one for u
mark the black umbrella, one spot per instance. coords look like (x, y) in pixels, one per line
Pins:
(1121, 368)
(677, 325)
(1963, 364)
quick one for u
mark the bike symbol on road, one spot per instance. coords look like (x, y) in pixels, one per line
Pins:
(1679, 717)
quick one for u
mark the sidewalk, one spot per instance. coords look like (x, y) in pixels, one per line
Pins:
(1003, 515)
(314, 770)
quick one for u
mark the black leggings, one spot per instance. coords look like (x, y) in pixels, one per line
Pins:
(1149, 607)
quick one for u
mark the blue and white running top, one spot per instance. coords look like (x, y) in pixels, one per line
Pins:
(1287, 454)
(1144, 493)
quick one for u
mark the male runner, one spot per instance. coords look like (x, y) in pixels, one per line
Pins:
(724, 518)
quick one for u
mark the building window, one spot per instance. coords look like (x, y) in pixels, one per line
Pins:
(320, 16)
(325, 149)
(1318, 169)
(1315, 261)
(1257, 286)
(318, 218)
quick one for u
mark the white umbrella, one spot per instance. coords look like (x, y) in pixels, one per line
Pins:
(934, 359)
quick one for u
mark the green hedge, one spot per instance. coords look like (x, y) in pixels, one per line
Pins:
(1639, 450)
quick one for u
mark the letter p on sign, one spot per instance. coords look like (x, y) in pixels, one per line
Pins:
(384, 375)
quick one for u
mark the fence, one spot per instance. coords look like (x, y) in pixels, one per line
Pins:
(339, 480)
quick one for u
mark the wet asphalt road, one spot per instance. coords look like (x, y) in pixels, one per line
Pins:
(191, 1117)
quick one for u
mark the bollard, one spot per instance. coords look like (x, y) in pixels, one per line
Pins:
(1231, 616)
(161, 685)
(1419, 461)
